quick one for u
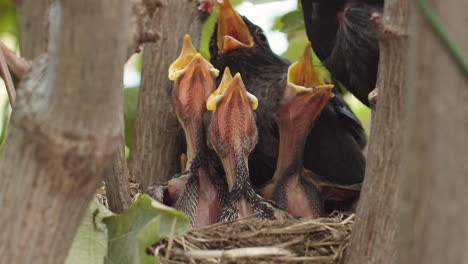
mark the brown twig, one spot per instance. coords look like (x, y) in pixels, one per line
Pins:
(142, 30)
(11, 63)
(317, 241)
(5, 73)
(17, 65)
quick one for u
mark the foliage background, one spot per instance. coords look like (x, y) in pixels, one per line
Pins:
(290, 23)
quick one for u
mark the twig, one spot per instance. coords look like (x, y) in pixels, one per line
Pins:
(142, 27)
(17, 65)
(11, 63)
(237, 253)
(5, 73)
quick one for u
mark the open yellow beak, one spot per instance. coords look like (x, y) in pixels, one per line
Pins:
(233, 33)
(189, 56)
(303, 76)
(228, 87)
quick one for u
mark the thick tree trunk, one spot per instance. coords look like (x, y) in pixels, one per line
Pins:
(155, 151)
(373, 239)
(435, 171)
(33, 26)
(64, 129)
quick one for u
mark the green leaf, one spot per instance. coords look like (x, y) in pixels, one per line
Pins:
(130, 112)
(90, 243)
(8, 18)
(292, 21)
(142, 225)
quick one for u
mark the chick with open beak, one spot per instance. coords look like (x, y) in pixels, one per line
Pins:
(295, 189)
(239, 34)
(232, 134)
(198, 192)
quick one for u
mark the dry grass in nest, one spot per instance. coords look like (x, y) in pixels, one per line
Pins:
(258, 241)
(102, 196)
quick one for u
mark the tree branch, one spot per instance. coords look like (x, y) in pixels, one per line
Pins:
(11, 63)
(5, 74)
(142, 30)
(33, 24)
(156, 146)
(116, 176)
(434, 175)
(63, 131)
(373, 239)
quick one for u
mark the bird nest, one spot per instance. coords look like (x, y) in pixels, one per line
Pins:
(252, 240)
(257, 241)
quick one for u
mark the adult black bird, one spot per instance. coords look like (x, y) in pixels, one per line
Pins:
(337, 139)
(345, 40)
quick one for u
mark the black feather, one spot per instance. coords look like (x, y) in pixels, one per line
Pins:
(348, 48)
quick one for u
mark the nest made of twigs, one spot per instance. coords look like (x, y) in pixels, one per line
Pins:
(252, 240)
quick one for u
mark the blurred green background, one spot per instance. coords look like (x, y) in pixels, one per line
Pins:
(281, 19)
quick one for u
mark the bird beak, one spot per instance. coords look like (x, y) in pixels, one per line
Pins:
(306, 88)
(233, 33)
(306, 93)
(188, 58)
(303, 73)
(304, 98)
(229, 86)
(232, 130)
(194, 80)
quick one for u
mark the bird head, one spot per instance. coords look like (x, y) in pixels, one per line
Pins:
(235, 35)
(305, 96)
(232, 131)
(194, 80)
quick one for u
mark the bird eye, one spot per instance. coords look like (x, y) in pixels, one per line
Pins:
(213, 47)
(261, 37)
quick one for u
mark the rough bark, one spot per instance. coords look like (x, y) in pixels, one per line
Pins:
(116, 177)
(33, 24)
(140, 31)
(63, 131)
(435, 171)
(373, 239)
(155, 151)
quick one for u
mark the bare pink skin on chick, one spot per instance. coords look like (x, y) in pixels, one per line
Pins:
(208, 203)
(297, 201)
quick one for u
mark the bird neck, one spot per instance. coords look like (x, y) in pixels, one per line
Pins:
(237, 173)
(291, 151)
(194, 136)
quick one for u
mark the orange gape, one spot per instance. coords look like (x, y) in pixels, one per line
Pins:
(232, 32)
